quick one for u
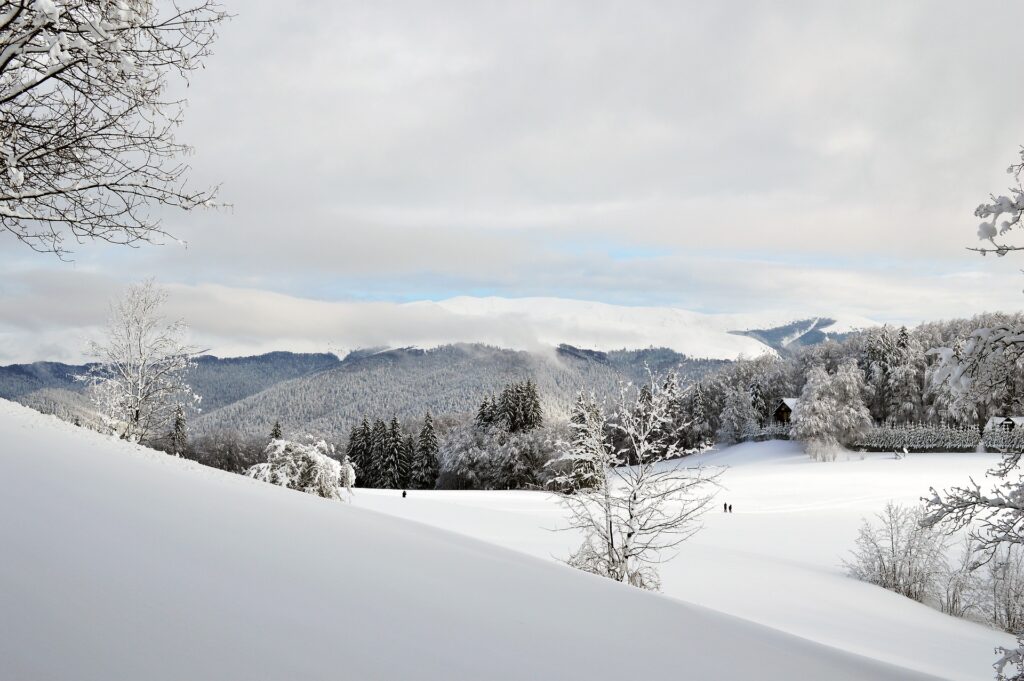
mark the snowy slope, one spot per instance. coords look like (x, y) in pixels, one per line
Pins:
(121, 563)
(777, 559)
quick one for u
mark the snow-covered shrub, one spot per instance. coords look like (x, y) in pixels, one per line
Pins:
(308, 468)
(1010, 665)
(1004, 584)
(919, 438)
(1002, 439)
(772, 431)
(961, 592)
(898, 554)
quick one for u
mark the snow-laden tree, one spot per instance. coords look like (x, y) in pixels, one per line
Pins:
(87, 130)
(307, 467)
(831, 411)
(582, 461)
(177, 439)
(906, 379)
(637, 505)
(739, 419)
(898, 553)
(425, 466)
(276, 433)
(992, 515)
(139, 377)
(1002, 214)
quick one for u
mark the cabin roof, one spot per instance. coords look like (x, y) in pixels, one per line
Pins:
(999, 420)
(790, 402)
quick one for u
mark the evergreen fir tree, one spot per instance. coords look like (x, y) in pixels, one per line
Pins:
(178, 438)
(407, 460)
(358, 452)
(738, 419)
(390, 465)
(759, 403)
(425, 465)
(485, 415)
(378, 452)
(588, 447)
(276, 433)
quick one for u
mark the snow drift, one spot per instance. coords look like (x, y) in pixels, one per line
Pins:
(121, 563)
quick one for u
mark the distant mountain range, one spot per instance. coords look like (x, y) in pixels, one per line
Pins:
(318, 393)
(789, 337)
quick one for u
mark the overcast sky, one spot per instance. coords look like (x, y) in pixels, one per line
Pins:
(816, 158)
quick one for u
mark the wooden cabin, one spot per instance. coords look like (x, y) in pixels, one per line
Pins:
(784, 411)
(1004, 422)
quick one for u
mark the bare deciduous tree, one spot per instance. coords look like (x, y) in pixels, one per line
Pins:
(139, 379)
(633, 504)
(87, 143)
(899, 554)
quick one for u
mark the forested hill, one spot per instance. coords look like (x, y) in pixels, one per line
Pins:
(449, 380)
(220, 381)
(790, 337)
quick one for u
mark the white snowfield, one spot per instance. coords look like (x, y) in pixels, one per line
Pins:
(122, 563)
(777, 559)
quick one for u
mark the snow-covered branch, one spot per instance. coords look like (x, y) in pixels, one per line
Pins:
(87, 145)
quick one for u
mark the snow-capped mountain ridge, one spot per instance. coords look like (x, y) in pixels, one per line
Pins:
(526, 323)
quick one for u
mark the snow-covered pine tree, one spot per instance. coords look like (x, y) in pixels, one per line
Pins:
(534, 412)
(738, 420)
(425, 465)
(358, 451)
(486, 415)
(378, 452)
(276, 433)
(390, 466)
(408, 457)
(906, 379)
(177, 440)
(879, 357)
(759, 402)
(587, 452)
(697, 427)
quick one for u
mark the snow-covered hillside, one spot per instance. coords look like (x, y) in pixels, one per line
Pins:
(120, 563)
(777, 559)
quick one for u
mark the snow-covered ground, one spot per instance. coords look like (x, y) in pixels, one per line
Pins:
(122, 563)
(777, 559)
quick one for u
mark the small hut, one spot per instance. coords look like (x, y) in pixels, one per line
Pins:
(1004, 422)
(784, 411)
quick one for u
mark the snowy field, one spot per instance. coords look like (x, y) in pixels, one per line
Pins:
(122, 563)
(777, 559)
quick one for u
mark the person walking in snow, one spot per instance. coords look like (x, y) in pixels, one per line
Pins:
(725, 508)
(403, 493)
(730, 508)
